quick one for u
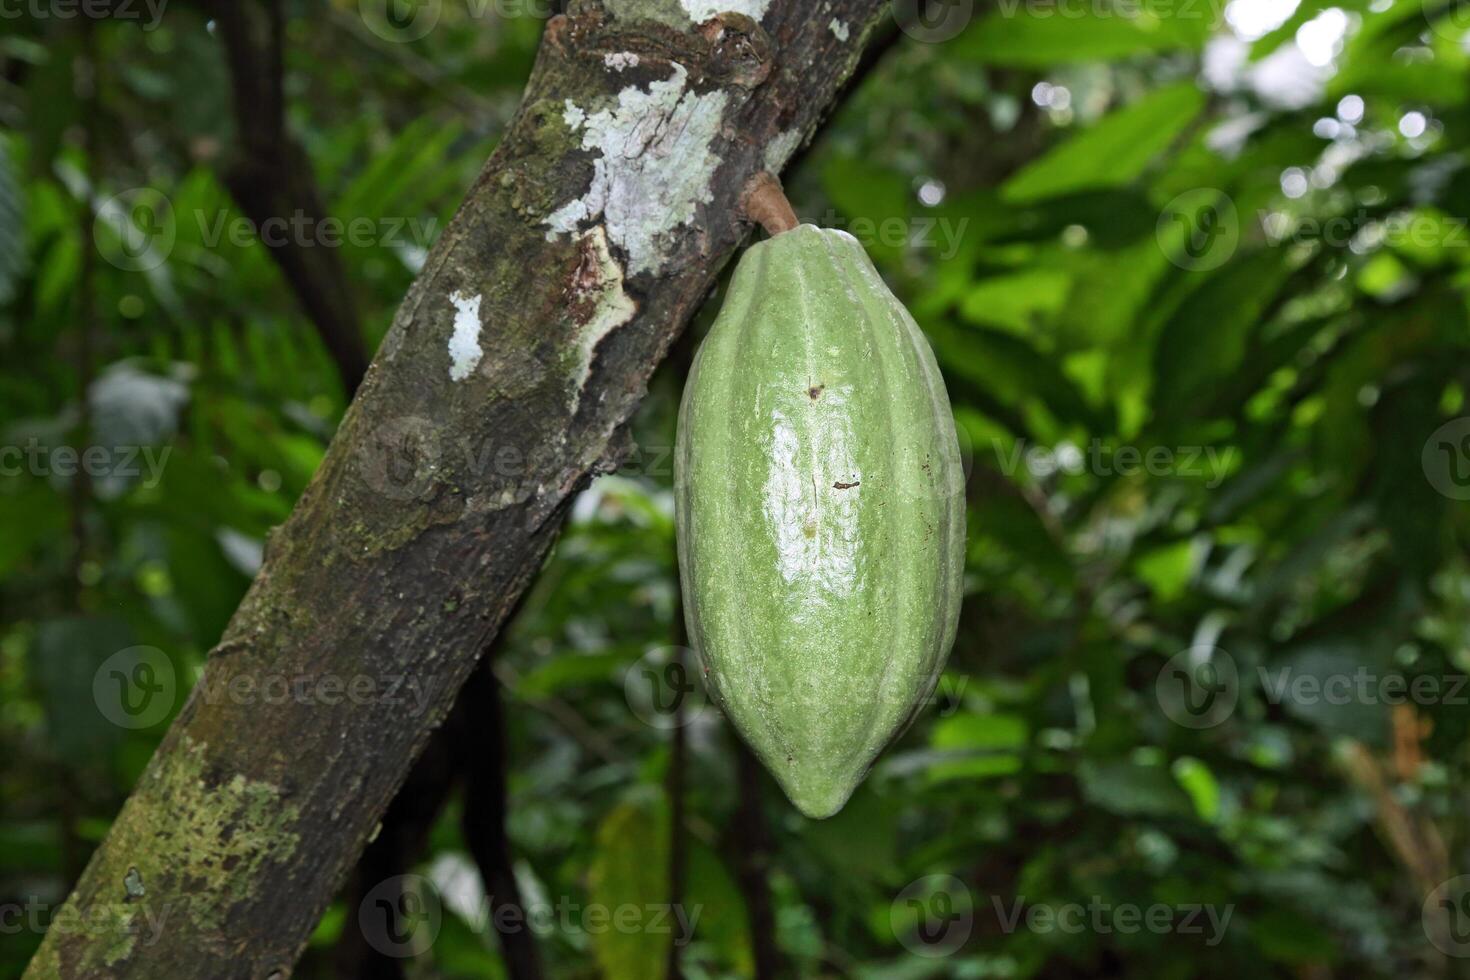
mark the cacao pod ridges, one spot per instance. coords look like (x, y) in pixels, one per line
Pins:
(820, 513)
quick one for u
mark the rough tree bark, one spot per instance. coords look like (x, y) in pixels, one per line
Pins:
(506, 382)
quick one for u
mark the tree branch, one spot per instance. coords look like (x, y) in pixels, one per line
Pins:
(749, 843)
(484, 752)
(270, 177)
(505, 384)
(393, 853)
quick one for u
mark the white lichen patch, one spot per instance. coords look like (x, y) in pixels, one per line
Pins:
(598, 287)
(464, 343)
(655, 166)
(621, 60)
(839, 28)
(700, 11)
(779, 150)
(573, 115)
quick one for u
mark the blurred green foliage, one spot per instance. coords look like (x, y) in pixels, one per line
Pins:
(1197, 275)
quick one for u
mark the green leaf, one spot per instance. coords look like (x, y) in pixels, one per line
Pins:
(1009, 369)
(1168, 570)
(1205, 340)
(875, 202)
(1306, 11)
(1384, 277)
(1200, 783)
(977, 746)
(1027, 35)
(1131, 789)
(65, 659)
(1332, 685)
(570, 669)
(1019, 302)
(723, 921)
(34, 515)
(1115, 151)
(631, 869)
(1008, 520)
(12, 225)
(1287, 935)
(861, 841)
(1110, 290)
(630, 873)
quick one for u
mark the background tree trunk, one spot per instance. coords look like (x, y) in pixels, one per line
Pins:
(506, 382)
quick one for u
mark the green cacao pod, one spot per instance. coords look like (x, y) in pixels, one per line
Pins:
(820, 511)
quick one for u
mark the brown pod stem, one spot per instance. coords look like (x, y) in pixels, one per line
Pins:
(765, 202)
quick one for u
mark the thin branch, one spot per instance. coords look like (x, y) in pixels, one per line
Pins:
(750, 847)
(483, 749)
(88, 97)
(401, 841)
(271, 177)
(678, 833)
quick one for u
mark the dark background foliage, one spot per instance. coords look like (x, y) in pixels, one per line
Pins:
(1197, 276)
